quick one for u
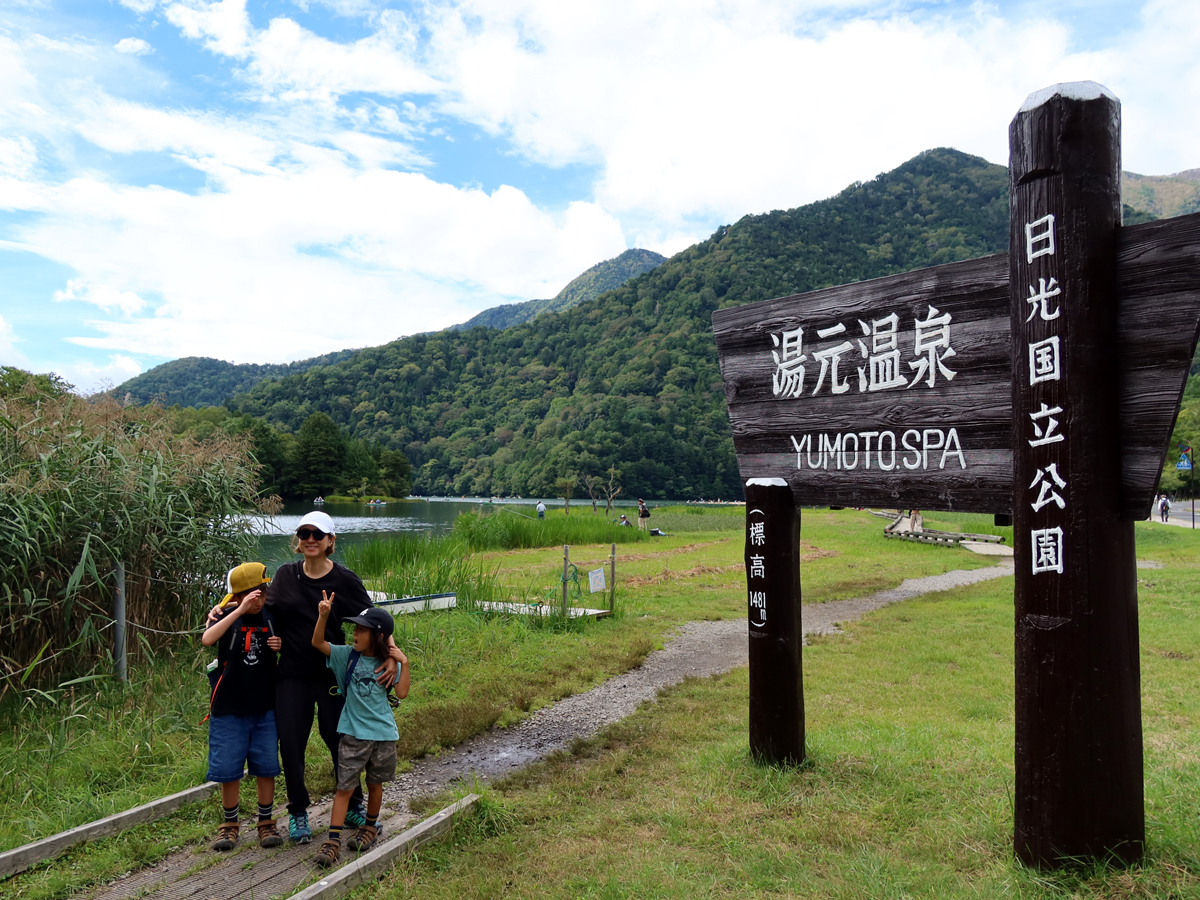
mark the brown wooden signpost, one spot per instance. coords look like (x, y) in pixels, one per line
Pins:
(1043, 384)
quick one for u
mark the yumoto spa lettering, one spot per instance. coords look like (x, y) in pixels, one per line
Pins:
(912, 448)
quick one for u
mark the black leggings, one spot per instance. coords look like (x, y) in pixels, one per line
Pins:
(294, 700)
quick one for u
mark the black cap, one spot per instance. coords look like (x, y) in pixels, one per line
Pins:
(375, 619)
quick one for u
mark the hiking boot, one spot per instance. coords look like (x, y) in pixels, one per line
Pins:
(331, 851)
(227, 836)
(298, 829)
(356, 817)
(268, 834)
(364, 839)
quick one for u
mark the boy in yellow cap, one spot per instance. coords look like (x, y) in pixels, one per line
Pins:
(241, 729)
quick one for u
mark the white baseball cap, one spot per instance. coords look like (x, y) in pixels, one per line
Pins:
(319, 520)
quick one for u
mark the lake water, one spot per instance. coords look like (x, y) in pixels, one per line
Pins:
(358, 522)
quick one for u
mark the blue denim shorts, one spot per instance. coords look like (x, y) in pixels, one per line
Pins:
(234, 741)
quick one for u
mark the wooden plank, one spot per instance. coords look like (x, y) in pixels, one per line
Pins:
(1158, 288)
(21, 858)
(374, 863)
(767, 426)
(1158, 282)
(399, 606)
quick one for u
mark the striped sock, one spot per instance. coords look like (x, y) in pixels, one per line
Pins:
(264, 812)
(335, 833)
(231, 812)
(371, 820)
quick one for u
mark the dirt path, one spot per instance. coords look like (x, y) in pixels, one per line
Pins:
(698, 649)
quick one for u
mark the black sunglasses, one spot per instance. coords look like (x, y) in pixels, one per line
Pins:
(306, 533)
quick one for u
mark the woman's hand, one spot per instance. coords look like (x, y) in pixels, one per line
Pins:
(212, 615)
(275, 643)
(386, 673)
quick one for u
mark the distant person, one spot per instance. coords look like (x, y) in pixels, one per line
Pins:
(541, 510)
(241, 725)
(1164, 507)
(367, 725)
(643, 516)
(624, 521)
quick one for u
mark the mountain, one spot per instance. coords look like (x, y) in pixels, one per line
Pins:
(201, 381)
(630, 379)
(604, 276)
(1162, 195)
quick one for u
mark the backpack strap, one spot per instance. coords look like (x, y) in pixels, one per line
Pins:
(350, 665)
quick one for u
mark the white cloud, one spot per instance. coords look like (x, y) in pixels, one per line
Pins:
(133, 46)
(105, 296)
(89, 377)
(321, 224)
(9, 354)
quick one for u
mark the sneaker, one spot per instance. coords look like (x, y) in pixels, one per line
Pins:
(227, 836)
(298, 829)
(364, 839)
(268, 834)
(356, 817)
(331, 851)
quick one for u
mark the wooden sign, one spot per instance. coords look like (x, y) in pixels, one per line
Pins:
(1041, 383)
(859, 415)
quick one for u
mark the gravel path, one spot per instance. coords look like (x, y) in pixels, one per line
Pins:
(698, 649)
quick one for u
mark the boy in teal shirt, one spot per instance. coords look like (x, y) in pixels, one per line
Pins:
(367, 725)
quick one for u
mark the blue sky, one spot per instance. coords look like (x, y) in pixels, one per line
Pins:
(267, 181)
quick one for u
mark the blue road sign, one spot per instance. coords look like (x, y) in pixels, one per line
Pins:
(1184, 463)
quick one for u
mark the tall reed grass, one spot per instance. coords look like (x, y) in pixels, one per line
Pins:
(507, 529)
(86, 482)
(413, 565)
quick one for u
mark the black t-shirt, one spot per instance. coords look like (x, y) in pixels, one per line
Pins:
(293, 598)
(245, 668)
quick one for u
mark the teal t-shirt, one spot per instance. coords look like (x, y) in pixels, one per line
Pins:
(366, 714)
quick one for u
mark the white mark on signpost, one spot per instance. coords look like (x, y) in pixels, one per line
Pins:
(882, 371)
(1039, 299)
(758, 602)
(788, 380)
(1046, 480)
(1047, 550)
(1039, 238)
(758, 567)
(933, 334)
(1046, 434)
(1044, 361)
(757, 537)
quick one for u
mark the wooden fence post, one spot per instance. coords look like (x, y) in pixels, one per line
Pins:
(1078, 707)
(773, 588)
(612, 577)
(566, 570)
(120, 658)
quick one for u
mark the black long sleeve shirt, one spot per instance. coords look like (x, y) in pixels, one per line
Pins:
(293, 598)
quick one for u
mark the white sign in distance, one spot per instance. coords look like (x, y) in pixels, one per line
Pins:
(596, 580)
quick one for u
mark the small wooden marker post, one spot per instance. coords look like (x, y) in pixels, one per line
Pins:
(1078, 698)
(612, 579)
(566, 571)
(773, 606)
(120, 648)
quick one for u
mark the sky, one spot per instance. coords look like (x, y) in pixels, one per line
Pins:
(269, 180)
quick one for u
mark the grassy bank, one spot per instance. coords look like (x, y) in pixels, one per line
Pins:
(469, 671)
(509, 529)
(907, 792)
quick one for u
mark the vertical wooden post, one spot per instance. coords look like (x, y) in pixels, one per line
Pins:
(566, 570)
(120, 657)
(1078, 708)
(612, 579)
(773, 587)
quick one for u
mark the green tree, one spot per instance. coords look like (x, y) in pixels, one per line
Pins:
(320, 456)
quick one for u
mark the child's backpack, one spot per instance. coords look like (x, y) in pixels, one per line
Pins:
(392, 699)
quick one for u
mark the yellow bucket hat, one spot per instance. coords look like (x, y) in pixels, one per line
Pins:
(245, 577)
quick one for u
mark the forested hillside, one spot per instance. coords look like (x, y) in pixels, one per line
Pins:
(630, 379)
(201, 381)
(604, 276)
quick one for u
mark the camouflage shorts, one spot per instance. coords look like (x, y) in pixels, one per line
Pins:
(376, 758)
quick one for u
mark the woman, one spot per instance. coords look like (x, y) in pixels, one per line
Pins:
(303, 681)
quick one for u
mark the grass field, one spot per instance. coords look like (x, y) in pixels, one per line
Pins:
(909, 729)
